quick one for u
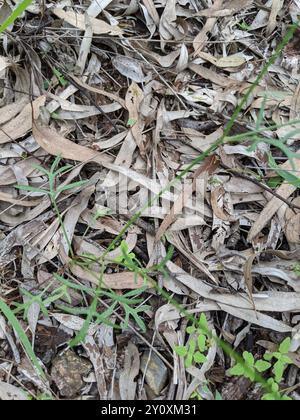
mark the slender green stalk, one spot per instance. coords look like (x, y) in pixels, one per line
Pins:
(15, 14)
(22, 336)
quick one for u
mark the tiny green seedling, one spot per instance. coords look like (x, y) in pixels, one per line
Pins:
(274, 182)
(296, 269)
(244, 26)
(131, 122)
(282, 359)
(60, 77)
(250, 368)
(197, 345)
(54, 190)
(128, 259)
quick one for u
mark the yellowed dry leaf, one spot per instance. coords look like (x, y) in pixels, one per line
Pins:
(235, 60)
(78, 21)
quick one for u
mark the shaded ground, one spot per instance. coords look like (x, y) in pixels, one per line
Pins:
(128, 94)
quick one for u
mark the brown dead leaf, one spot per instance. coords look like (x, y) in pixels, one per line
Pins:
(248, 276)
(217, 195)
(292, 226)
(21, 124)
(131, 369)
(7, 198)
(96, 358)
(134, 98)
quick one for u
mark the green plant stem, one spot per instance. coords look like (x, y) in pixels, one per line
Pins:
(216, 144)
(22, 336)
(61, 222)
(15, 14)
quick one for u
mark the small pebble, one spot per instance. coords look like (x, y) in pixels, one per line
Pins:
(68, 371)
(156, 373)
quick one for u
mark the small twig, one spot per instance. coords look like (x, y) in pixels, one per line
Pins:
(261, 185)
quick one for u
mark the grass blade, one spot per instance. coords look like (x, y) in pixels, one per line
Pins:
(22, 336)
(15, 14)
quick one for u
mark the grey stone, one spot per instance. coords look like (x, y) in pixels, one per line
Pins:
(156, 374)
(67, 372)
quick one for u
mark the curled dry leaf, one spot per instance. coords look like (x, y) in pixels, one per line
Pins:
(129, 67)
(217, 203)
(21, 124)
(134, 98)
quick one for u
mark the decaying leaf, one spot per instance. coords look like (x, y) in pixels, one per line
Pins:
(129, 68)
(21, 124)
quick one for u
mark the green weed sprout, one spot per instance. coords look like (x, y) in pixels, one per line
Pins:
(250, 368)
(54, 190)
(197, 345)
